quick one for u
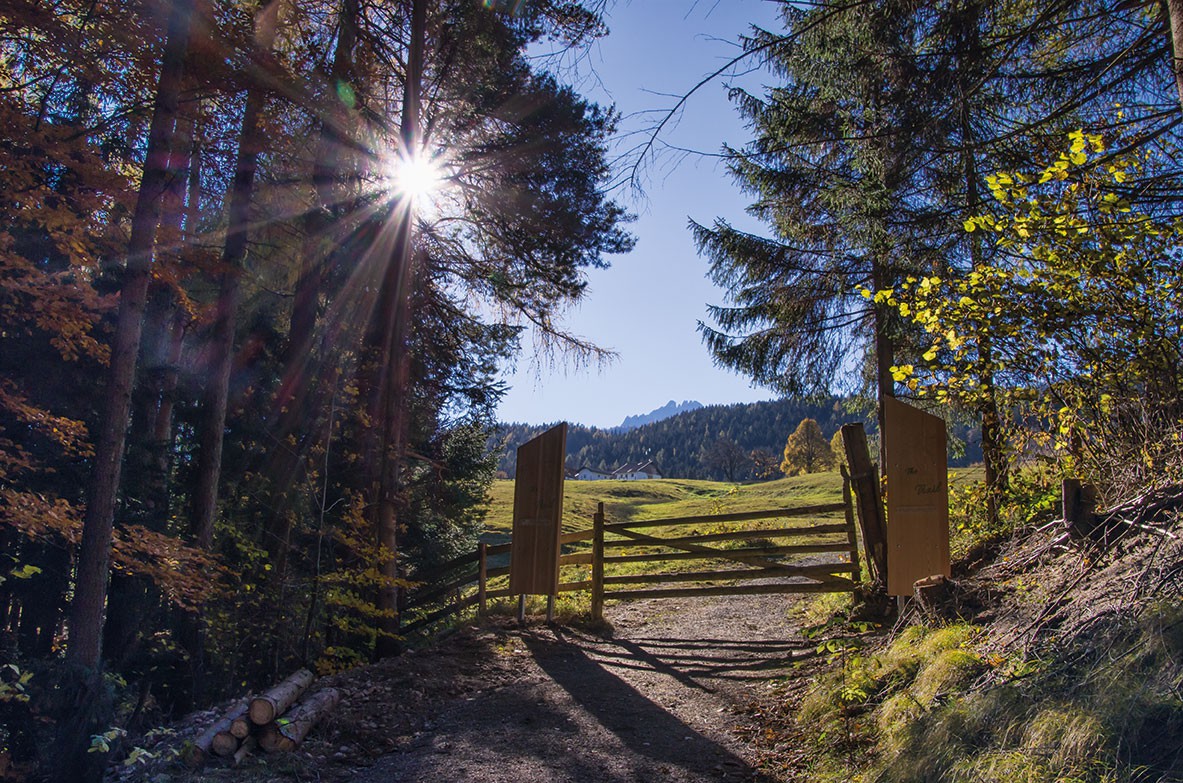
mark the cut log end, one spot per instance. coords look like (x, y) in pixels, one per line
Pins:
(224, 744)
(241, 727)
(267, 707)
(262, 711)
(937, 598)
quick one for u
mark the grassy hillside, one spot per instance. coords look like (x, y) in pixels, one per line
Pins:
(629, 500)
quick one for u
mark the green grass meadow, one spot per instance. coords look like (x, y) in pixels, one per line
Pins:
(639, 501)
(627, 501)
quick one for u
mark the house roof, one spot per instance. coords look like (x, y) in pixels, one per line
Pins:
(639, 467)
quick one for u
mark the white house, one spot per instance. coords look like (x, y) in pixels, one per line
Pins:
(591, 474)
(637, 472)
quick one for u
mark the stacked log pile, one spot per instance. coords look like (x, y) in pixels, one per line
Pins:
(276, 721)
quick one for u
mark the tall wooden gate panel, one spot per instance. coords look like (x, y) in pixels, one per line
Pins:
(537, 514)
(917, 496)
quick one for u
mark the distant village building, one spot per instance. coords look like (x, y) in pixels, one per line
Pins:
(591, 474)
(637, 472)
(630, 472)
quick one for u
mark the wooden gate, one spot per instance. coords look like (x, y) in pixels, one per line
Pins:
(808, 549)
(699, 555)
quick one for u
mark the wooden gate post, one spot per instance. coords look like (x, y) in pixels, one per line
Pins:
(865, 480)
(848, 499)
(597, 597)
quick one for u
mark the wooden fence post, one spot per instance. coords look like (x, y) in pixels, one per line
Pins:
(1080, 508)
(482, 555)
(848, 499)
(597, 597)
(865, 481)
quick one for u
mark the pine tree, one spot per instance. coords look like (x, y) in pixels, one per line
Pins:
(832, 170)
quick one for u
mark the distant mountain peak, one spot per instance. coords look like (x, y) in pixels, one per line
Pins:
(671, 408)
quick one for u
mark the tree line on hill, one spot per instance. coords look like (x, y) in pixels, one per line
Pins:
(739, 442)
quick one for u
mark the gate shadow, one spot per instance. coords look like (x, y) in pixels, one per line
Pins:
(689, 660)
(645, 727)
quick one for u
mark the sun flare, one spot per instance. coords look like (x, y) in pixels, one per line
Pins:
(416, 178)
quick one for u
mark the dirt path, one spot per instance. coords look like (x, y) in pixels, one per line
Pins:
(654, 702)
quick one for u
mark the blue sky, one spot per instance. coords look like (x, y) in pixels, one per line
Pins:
(646, 306)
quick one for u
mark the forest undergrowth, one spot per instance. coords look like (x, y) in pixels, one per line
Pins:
(1054, 661)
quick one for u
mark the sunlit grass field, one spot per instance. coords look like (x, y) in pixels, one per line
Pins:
(639, 501)
(626, 501)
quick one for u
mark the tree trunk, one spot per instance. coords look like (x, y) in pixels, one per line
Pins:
(993, 455)
(86, 611)
(393, 324)
(324, 181)
(292, 399)
(42, 598)
(133, 598)
(884, 352)
(271, 705)
(1175, 12)
(215, 394)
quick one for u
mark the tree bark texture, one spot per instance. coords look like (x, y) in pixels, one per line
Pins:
(1175, 12)
(86, 611)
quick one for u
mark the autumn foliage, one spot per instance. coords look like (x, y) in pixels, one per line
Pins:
(197, 211)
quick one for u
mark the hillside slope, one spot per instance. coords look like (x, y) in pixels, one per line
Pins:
(629, 500)
(1061, 659)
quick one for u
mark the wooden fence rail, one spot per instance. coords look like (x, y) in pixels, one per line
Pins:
(684, 561)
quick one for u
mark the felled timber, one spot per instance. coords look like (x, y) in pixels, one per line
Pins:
(288, 732)
(224, 744)
(241, 727)
(245, 749)
(266, 707)
(203, 746)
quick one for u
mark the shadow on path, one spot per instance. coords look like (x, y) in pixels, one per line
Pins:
(644, 727)
(691, 660)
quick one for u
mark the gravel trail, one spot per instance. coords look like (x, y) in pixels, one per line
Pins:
(654, 701)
